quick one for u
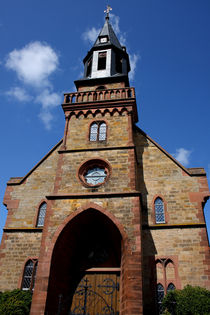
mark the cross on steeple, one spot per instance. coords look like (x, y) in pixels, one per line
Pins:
(108, 9)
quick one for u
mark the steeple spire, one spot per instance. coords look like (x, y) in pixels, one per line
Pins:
(107, 36)
(107, 61)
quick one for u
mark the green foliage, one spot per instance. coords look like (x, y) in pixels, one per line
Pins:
(15, 302)
(189, 301)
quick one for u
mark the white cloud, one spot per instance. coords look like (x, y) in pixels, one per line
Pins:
(91, 34)
(133, 63)
(34, 63)
(115, 21)
(46, 117)
(19, 93)
(48, 101)
(182, 155)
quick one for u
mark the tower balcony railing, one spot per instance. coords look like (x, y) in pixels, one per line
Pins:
(99, 95)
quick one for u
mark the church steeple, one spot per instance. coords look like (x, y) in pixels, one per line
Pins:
(107, 36)
(107, 61)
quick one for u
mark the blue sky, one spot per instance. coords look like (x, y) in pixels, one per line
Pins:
(42, 44)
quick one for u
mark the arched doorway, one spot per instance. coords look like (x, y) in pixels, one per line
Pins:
(85, 267)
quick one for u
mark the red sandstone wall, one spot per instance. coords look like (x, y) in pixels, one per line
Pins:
(183, 237)
(156, 174)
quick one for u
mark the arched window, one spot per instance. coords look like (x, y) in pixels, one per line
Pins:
(93, 132)
(165, 279)
(98, 131)
(102, 132)
(41, 214)
(159, 211)
(160, 296)
(29, 274)
(171, 287)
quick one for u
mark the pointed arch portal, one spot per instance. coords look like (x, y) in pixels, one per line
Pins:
(85, 267)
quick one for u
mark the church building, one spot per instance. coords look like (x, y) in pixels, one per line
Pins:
(107, 222)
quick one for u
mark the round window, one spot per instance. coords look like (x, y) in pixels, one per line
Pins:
(95, 176)
(94, 173)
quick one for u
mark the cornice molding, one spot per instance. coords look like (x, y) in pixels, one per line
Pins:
(94, 194)
(27, 230)
(173, 226)
(131, 147)
(105, 104)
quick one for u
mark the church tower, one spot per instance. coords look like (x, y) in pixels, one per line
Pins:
(95, 196)
(107, 222)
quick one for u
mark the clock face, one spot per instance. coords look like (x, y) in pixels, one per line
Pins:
(103, 39)
(95, 176)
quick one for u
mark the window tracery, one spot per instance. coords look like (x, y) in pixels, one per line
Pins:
(159, 210)
(166, 279)
(94, 173)
(98, 131)
(171, 287)
(29, 274)
(160, 295)
(41, 215)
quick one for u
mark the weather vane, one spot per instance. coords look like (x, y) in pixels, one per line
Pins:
(108, 9)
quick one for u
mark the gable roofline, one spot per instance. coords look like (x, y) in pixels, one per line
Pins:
(192, 171)
(13, 181)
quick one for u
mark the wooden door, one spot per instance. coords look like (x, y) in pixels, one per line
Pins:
(97, 294)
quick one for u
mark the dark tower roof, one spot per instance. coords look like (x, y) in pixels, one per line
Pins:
(112, 40)
(114, 64)
(107, 31)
